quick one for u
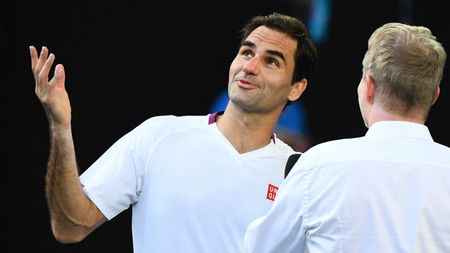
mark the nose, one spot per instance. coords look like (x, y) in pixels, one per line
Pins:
(251, 66)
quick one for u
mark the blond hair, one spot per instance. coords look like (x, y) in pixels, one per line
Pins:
(407, 63)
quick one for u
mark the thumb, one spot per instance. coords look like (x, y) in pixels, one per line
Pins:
(60, 76)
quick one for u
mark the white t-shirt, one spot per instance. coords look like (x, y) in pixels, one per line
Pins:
(388, 191)
(190, 190)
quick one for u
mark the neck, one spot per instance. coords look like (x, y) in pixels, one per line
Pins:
(246, 132)
(378, 114)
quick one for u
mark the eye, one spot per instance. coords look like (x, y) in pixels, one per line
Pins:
(247, 53)
(273, 61)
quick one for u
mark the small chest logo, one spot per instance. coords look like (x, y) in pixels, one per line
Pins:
(271, 192)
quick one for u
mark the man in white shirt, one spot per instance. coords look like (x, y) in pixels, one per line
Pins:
(194, 182)
(388, 191)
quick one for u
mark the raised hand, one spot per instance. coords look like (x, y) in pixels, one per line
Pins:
(52, 94)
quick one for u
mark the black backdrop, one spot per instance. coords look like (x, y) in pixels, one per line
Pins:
(128, 60)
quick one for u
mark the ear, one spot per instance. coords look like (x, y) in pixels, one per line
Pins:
(371, 87)
(297, 89)
(436, 95)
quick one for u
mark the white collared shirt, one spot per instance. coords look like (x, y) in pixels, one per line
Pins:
(189, 189)
(388, 191)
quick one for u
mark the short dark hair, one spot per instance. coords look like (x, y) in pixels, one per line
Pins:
(306, 54)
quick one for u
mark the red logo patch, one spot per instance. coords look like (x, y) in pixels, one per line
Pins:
(271, 192)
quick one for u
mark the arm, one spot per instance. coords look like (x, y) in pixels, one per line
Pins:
(73, 215)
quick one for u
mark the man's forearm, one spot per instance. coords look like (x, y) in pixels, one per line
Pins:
(69, 207)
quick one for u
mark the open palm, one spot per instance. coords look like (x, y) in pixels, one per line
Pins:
(52, 94)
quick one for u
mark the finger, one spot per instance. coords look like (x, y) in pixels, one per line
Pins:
(60, 76)
(42, 59)
(33, 56)
(43, 74)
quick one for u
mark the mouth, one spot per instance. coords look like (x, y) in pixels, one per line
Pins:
(245, 83)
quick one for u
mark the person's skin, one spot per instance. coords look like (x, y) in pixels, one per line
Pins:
(73, 215)
(260, 84)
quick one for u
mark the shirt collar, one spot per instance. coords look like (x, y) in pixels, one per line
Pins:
(399, 129)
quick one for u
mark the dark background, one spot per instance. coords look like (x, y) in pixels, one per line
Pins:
(129, 60)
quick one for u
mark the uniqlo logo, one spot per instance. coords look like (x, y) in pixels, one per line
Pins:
(271, 192)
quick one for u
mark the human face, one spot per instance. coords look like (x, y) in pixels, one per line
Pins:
(260, 78)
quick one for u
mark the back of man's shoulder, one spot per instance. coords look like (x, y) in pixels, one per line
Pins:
(333, 149)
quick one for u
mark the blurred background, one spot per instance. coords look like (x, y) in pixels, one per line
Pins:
(130, 60)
